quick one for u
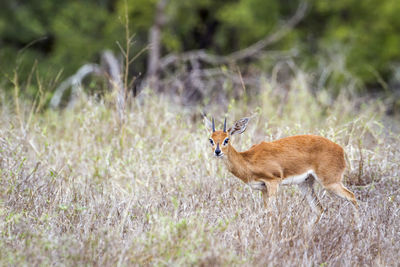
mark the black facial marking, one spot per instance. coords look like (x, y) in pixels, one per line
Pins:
(226, 141)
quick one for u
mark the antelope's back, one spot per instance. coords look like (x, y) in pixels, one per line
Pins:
(300, 153)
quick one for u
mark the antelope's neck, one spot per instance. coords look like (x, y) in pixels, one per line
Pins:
(237, 165)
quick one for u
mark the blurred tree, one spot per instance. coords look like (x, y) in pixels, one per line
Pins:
(80, 32)
(367, 32)
(61, 35)
(64, 35)
(249, 19)
(24, 26)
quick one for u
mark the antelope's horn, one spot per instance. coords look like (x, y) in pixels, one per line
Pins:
(225, 125)
(213, 124)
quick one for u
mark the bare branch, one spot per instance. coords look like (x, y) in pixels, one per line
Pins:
(113, 69)
(155, 43)
(74, 81)
(248, 52)
(273, 38)
(110, 68)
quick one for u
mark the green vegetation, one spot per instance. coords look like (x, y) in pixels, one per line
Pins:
(62, 36)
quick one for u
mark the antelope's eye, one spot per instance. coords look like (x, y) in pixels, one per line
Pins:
(211, 142)
(226, 141)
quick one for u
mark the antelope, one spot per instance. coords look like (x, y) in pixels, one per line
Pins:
(296, 160)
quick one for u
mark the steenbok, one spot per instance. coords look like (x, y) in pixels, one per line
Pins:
(299, 160)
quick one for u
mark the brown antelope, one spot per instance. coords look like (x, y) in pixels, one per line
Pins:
(299, 160)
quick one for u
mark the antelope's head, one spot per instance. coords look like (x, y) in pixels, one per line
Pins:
(220, 140)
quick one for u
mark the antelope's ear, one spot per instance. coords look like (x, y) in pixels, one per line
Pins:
(207, 123)
(239, 126)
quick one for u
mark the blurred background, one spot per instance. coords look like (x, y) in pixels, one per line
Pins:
(202, 49)
(104, 158)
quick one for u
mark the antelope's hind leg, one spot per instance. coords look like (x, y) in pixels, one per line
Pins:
(340, 190)
(307, 189)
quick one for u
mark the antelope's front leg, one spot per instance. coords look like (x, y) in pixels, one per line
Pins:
(271, 188)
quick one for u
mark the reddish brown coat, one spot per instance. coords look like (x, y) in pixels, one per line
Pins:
(299, 159)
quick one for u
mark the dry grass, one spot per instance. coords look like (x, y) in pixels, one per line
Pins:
(76, 189)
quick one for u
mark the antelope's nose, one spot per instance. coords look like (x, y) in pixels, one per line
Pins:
(217, 151)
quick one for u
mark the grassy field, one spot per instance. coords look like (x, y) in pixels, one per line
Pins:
(78, 188)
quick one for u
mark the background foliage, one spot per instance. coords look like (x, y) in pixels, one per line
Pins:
(64, 35)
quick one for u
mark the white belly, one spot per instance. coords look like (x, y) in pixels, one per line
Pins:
(297, 179)
(257, 185)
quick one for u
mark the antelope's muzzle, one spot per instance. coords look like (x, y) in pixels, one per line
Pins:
(218, 151)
